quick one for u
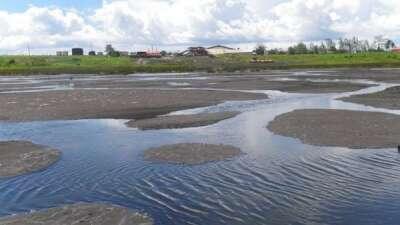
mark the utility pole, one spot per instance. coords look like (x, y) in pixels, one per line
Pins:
(29, 56)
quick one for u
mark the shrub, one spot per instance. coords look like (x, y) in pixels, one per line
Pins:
(11, 62)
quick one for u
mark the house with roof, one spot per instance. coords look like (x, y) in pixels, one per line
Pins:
(195, 51)
(220, 49)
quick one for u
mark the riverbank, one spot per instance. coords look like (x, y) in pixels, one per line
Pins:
(19, 65)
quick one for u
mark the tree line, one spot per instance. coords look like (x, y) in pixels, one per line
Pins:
(352, 45)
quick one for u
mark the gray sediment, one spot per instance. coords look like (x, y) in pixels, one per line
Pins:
(389, 99)
(110, 103)
(181, 121)
(191, 153)
(22, 157)
(82, 214)
(341, 128)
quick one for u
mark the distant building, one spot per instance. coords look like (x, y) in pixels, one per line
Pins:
(154, 54)
(100, 53)
(195, 51)
(92, 53)
(77, 51)
(62, 53)
(150, 54)
(220, 49)
(123, 53)
(381, 43)
(109, 49)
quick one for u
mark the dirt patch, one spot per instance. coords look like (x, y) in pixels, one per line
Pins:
(389, 98)
(342, 128)
(21, 157)
(111, 103)
(191, 153)
(82, 214)
(181, 121)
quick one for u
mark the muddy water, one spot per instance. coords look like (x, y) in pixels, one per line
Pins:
(278, 181)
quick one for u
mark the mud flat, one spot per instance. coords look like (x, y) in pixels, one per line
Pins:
(181, 121)
(110, 103)
(21, 157)
(300, 86)
(191, 153)
(242, 82)
(341, 128)
(389, 99)
(389, 75)
(82, 214)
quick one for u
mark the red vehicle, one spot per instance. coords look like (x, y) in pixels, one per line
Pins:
(396, 50)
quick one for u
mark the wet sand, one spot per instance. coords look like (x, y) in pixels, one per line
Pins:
(341, 128)
(388, 75)
(389, 99)
(300, 86)
(110, 103)
(252, 81)
(191, 153)
(181, 121)
(82, 214)
(21, 157)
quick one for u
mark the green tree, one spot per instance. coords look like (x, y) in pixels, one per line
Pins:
(260, 49)
(333, 49)
(291, 50)
(390, 44)
(301, 48)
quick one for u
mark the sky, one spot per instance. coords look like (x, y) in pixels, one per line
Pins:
(45, 26)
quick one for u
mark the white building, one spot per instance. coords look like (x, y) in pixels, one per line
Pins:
(219, 50)
(382, 43)
(62, 53)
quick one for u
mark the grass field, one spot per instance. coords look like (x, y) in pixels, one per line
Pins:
(10, 65)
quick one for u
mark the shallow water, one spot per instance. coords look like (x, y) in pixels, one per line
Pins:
(278, 181)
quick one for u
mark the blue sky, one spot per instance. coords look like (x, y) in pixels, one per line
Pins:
(22, 5)
(48, 25)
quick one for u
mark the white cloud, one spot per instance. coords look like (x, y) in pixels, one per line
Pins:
(167, 23)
